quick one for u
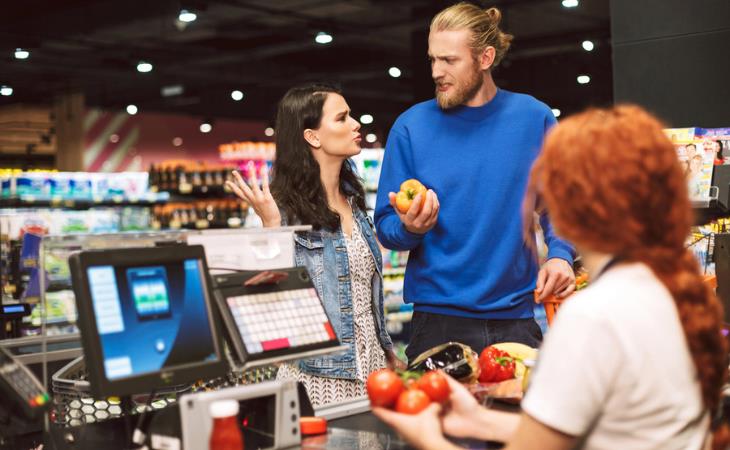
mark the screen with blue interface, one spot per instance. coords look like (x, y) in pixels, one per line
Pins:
(150, 318)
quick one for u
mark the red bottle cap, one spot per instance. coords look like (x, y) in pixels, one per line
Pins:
(312, 425)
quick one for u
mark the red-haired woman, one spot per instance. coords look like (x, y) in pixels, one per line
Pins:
(637, 360)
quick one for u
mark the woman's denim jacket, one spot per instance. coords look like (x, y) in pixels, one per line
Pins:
(324, 254)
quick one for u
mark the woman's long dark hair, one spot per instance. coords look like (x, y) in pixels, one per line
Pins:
(296, 185)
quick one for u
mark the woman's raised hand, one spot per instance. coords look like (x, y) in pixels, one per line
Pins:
(259, 198)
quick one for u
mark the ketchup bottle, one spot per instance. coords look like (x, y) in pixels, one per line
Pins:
(226, 435)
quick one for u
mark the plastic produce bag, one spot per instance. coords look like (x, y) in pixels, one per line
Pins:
(457, 360)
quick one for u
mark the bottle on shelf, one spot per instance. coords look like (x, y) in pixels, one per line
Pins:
(186, 177)
(163, 177)
(203, 213)
(154, 179)
(174, 182)
(226, 434)
(208, 178)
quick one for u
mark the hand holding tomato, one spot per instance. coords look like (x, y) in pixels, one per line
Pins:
(418, 213)
(388, 389)
(460, 419)
(496, 365)
(422, 430)
(424, 426)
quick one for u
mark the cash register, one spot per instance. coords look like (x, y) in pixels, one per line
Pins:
(146, 318)
(153, 317)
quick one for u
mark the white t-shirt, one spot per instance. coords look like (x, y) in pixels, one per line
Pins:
(615, 368)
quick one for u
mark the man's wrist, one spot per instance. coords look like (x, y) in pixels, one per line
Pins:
(414, 233)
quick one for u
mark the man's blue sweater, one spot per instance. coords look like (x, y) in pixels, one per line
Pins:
(474, 262)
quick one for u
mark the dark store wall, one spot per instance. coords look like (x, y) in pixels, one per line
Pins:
(673, 57)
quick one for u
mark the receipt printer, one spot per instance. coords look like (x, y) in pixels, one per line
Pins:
(268, 415)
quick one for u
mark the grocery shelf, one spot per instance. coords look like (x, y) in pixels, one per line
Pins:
(32, 201)
(709, 208)
(704, 202)
(186, 193)
(706, 213)
(394, 271)
(206, 225)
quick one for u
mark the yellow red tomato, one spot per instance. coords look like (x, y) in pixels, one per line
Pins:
(409, 189)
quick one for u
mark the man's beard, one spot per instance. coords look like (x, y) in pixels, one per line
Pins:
(461, 92)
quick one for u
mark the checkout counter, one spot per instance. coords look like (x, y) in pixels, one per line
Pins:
(154, 321)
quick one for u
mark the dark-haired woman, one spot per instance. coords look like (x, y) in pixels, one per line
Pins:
(637, 360)
(314, 184)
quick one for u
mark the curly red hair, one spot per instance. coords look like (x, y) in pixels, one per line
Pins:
(611, 182)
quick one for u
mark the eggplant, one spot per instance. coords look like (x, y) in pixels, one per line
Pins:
(458, 360)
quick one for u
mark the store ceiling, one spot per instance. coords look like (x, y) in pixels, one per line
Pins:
(262, 47)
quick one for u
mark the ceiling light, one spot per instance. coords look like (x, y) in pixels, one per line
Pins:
(323, 38)
(370, 137)
(132, 109)
(237, 95)
(21, 54)
(570, 3)
(144, 67)
(186, 16)
(206, 127)
(366, 119)
(269, 131)
(556, 112)
(394, 72)
(177, 142)
(588, 46)
(170, 91)
(583, 79)
(6, 91)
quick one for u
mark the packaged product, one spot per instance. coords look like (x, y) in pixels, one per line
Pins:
(456, 359)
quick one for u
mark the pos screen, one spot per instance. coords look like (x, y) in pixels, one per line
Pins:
(146, 318)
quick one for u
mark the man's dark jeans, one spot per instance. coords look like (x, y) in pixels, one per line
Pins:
(429, 330)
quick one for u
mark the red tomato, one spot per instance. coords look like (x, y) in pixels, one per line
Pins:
(435, 386)
(412, 401)
(496, 365)
(384, 386)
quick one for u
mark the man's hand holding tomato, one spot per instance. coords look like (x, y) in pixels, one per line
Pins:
(422, 213)
(556, 276)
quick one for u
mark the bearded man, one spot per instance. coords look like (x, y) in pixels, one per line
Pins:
(470, 274)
